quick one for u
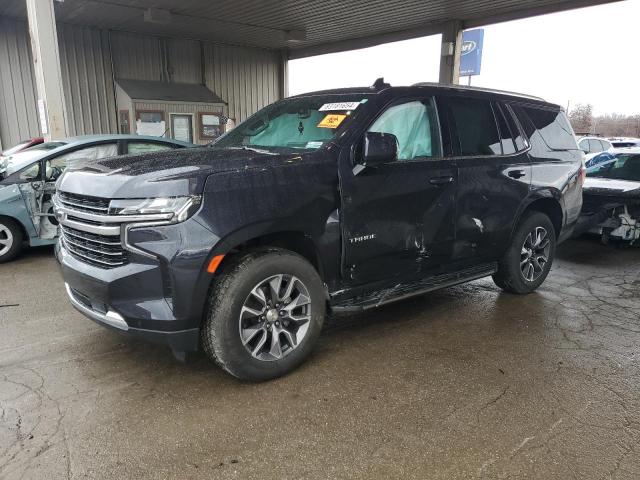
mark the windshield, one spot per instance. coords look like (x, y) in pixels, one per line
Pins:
(623, 166)
(17, 161)
(305, 123)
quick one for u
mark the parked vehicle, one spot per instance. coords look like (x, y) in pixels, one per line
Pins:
(27, 180)
(590, 145)
(624, 142)
(23, 145)
(612, 197)
(342, 200)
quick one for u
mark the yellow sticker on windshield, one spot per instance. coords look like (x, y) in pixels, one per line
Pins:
(331, 121)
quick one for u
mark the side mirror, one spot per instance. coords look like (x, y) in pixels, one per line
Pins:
(379, 148)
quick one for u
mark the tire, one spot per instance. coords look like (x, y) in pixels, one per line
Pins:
(522, 278)
(240, 341)
(11, 238)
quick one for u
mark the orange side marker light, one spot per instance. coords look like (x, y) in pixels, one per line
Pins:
(214, 263)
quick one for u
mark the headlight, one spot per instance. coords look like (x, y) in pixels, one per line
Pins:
(176, 209)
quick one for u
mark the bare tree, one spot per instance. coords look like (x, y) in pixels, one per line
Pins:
(581, 117)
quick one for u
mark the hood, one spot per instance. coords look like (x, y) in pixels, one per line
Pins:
(611, 187)
(169, 173)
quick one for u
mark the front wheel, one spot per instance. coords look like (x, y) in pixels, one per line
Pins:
(528, 260)
(11, 239)
(265, 314)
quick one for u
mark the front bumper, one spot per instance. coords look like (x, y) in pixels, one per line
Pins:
(158, 296)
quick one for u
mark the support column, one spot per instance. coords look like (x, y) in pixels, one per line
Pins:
(284, 74)
(450, 55)
(46, 62)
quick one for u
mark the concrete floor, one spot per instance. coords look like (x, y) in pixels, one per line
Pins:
(463, 383)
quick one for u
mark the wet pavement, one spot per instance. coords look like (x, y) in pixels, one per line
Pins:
(467, 382)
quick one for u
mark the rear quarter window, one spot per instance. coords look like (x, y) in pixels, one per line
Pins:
(548, 130)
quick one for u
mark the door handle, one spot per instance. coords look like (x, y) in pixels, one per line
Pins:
(440, 180)
(517, 173)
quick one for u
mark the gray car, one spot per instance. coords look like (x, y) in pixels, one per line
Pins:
(27, 182)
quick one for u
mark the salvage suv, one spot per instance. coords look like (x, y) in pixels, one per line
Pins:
(329, 202)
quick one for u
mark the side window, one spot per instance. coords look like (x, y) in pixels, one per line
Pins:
(31, 173)
(144, 147)
(506, 133)
(605, 145)
(414, 125)
(594, 145)
(56, 165)
(521, 142)
(476, 127)
(548, 130)
(584, 145)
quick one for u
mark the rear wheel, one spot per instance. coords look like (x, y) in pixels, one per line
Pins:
(265, 314)
(528, 260)
(10, 239)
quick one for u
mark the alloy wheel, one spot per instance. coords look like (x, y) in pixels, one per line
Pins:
(534, 254)
(275, 317)
(6, 239)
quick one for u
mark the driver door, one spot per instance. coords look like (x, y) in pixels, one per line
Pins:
(398, 218)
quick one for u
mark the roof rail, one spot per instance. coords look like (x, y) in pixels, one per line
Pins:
(478, 89)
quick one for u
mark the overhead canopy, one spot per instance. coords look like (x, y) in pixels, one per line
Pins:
(302, 27)
(168, 92)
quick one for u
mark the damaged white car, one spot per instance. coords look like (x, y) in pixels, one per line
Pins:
(611, 193)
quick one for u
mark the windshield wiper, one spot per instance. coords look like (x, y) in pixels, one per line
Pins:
(252, 149)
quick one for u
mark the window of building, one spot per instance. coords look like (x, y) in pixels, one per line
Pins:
(124, 124)
(211, 125)
(150, 122)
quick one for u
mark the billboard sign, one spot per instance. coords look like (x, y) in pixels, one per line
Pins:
(471, 52)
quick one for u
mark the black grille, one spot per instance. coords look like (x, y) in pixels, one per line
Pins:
(99, 250)
(84, 203)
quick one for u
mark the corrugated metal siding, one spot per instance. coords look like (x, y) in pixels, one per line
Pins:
(87, 79)
(246, 78)
(136, 56)
(18, 112)
(184, 61)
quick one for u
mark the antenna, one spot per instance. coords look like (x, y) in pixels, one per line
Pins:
(380, 84)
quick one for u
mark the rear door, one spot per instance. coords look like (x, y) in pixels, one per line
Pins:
(398, 218)
(494, 176)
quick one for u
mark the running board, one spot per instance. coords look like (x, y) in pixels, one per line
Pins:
(405, 290)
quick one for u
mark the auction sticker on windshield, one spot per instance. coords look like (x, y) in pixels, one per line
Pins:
(331, 121)
(341, 106)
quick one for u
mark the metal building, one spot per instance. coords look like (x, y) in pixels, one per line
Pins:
(59, 59)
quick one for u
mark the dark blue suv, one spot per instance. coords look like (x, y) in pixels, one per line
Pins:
(338, 201)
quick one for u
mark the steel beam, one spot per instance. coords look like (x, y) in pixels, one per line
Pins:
(46, 63)
(450, 53)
